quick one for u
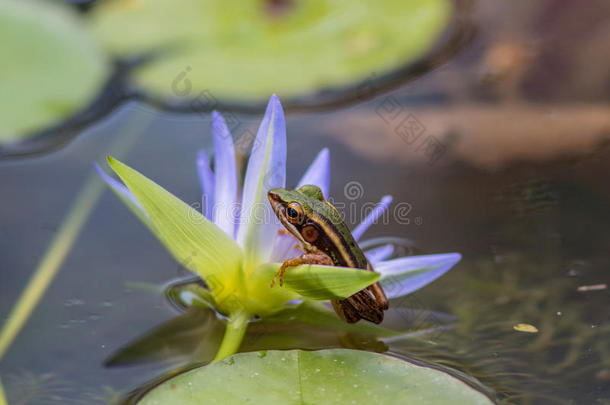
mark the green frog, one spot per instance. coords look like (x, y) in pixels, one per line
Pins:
(326, 240)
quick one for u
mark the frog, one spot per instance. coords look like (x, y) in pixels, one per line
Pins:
(325, 239)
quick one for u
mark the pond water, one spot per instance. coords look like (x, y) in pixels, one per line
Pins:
(528, 212)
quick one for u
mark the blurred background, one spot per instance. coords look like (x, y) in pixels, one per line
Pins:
(489, 121)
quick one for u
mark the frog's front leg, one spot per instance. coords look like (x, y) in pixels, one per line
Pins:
(308, 258)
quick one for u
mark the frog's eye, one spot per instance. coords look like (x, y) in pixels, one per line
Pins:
(294, 213)
(310, 233)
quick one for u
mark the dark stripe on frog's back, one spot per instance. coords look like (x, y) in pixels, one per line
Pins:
(336, 241)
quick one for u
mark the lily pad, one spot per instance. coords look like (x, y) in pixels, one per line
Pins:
(247, 49)
(51, 66)
(336, 376)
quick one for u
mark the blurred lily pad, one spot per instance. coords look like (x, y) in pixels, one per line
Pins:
(51, 66)
(313, 377)
(244, 50)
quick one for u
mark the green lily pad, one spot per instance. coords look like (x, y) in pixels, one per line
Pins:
(248, 49)
(51, 66)
(335, 376)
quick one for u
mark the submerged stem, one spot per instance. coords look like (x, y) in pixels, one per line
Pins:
(234, 334)
(3, 400)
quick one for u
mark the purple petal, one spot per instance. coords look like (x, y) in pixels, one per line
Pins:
(284, 247)
(407, 274)
(116, 186)
(379, 253)
(372, 217)
(206, 178)
(225, 192)
(266, 170)
(318, 172)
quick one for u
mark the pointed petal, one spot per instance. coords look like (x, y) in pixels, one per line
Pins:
(266, 170)
(318, 172)
(407, 274)
(380, 253)
(373, 216)
(206, 178)
(225, 170)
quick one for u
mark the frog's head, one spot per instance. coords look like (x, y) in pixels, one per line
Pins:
(295, 208)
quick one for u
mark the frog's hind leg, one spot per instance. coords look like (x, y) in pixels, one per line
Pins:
(345, 311)
(361, 305)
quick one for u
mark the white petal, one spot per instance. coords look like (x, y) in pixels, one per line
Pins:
(225, 170)
(266, 169)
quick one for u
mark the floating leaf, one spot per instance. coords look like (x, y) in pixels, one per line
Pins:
(51, 66)
(248, 49)
(314, 377)
(525, 327)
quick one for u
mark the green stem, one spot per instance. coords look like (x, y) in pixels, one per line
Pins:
(234, 334)
(3, 400)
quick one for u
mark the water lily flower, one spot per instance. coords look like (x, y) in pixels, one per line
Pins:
(235, 243)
